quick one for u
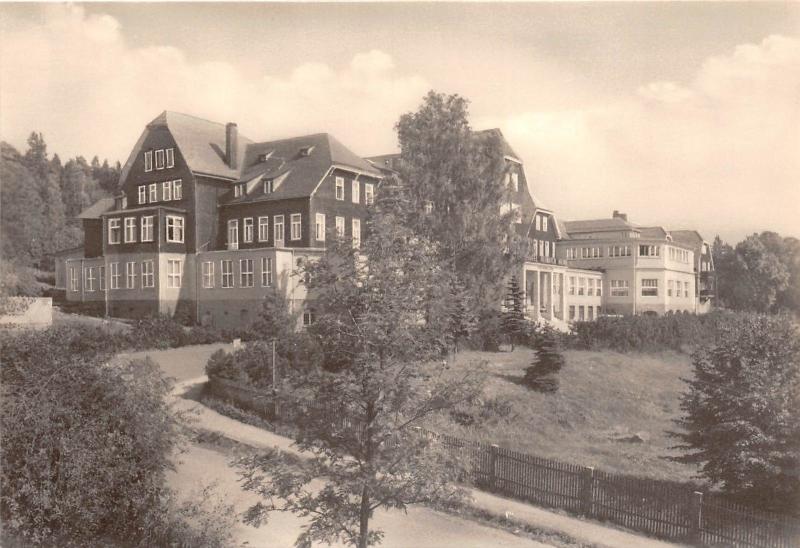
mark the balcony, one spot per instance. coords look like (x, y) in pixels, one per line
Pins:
(233, 246)
(531, 257)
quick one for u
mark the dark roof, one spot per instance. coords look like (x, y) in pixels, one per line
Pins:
(690, 237)
(495, 132)
(656, 232)
(298, 174)
(597, 225)
(95, 210)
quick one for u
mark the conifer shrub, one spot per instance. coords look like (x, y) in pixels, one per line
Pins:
(542, 374)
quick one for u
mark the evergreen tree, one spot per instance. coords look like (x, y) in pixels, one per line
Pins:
(542, 374)
(461, 320)
(513, 319)
(22, 215)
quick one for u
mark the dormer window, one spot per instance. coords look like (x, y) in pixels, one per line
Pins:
(265, 156)
(148, 160)
(238, 190)
(170, 157)
(269, 186)
(160, 159)
(515, 182)
(306, 151)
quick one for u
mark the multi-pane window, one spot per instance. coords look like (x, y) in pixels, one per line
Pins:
(685, 289)
(670, 284)
(147, 228)
(340, 188)
(177, 189)
(546, 248)
(73, 278)
(166, 191)
(142, 194)
(581, 286)
(590, 312)
(130, 275)
(115, 275)
(356, 233)
(649, 251)
(619, 251)
(340, 227)
(572, 312)
(114, 231)
(226, 267)
(89, 278)
(428, 207)
(277, 226)
(246, 272)
(266, 271)
(544, 223)
(356, 188)
(263, 229)
(650, 287)
(174, 272)
(153, 190)
(101, 276)
(170, 157)
(572, 285)
(308, 318)
(247, 225)
(208, 274)
(269, 186)
(148, 274)
(295, 220)
(148, 160)
(174, 229)
(581, 315)
(160, 158)
(599, 291)
(233, 231)
(238, 190)
(369, 193)
(591, 287)
(538, 222)
(319, 230)
(619, 288)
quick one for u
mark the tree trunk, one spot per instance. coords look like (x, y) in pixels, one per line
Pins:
(364, 518)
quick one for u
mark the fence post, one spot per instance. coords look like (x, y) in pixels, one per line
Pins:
(587, 491)
(696, 517)
(493, 466)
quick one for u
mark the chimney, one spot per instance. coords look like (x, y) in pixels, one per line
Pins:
(231, 144)
(618, 215)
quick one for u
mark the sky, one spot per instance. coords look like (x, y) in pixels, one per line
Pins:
(684, 115)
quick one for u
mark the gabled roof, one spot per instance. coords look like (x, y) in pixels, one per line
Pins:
(495, 132)
(690, 237)
(95, 210)
(653, 232)
(299, 173)
(597, 225)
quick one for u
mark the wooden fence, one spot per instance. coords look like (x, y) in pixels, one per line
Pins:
(659, 508)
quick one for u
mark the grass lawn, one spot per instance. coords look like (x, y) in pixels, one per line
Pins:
(604, 398)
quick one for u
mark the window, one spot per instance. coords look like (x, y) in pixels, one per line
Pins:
(590, 311)
(263, 229)
(581, 315)
(101, 276)
(356, 226)
(130, 275)
(320, 227)
(174, 272)
(114, 231)
(428, 207)
(174, 229)
(148, 277)
(685, 289)
(538, 222)
(650, 287)
(160, 158)
(296, 230)
(73, 278)
(308, 318)
(669, 288)
(572, 312)
(246, 272)
(208, 274)
(546, 248)
(356, 188)
(369, 193)
(591, 287)
(540, 245)
(166, 191)
(130, 229)
(170, 157)
(115, 275)
(177, 190)
(238, 190)
(226, 266)
(248, 229)
(266, 271)
(340, 188)
(340, 227)
(147, 229)
(153, 189)
(649, 251)
(581, 286)
(89, 278)
(515, 182)
(148, 160)
(544, 224)
(269, 186)
(142, 194)
(277, 227)
(233, 231)
(572, 285)
(599, 291)
(619, 288)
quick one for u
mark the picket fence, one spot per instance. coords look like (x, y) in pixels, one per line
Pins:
(658, 508)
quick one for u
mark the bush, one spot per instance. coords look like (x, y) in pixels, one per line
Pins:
(252, 365)
(542, 374)
(488, 334)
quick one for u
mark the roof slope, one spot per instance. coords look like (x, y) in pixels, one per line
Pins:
(691, 237)
(95, 210)
(597, 225)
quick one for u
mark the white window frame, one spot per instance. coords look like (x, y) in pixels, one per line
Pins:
(160, 159)
(147, 232)
(170, 157)
(279, 231)
(247, 230)
(266, 271)
(166, 191)
(177, 189)
(355, 226)
(340, 186)
(263, 228)
(340, 226)
(237, 191)
(246, 270)
(319, 227)
(174, 273)
(515, 181)
(369, 193)
(208, 274)
(130, 275)
(153, 192)
(148, 160)
(233, 231)
(88, 279)
(142, 194)
(355, 189)
(74, 284)
(101, 277)
(581, 285)
(308, 318)
(226, 276)
(620, 288)
(130, 230)
(115, 275)
(295, 226)
(148, 274)
(115, 228)
(544, 223)
(175, 225)
(649, 287)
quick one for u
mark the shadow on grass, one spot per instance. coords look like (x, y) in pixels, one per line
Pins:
(514, 379)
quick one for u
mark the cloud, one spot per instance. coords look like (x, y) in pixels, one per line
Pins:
(720, 153)
(72, 76)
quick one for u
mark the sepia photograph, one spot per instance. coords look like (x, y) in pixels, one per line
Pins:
(400, 274)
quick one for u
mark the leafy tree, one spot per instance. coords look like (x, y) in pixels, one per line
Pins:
(741, 417)
(542, 374)
(513, 314)
(357, 423)
(461, 321)
(455, 186)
